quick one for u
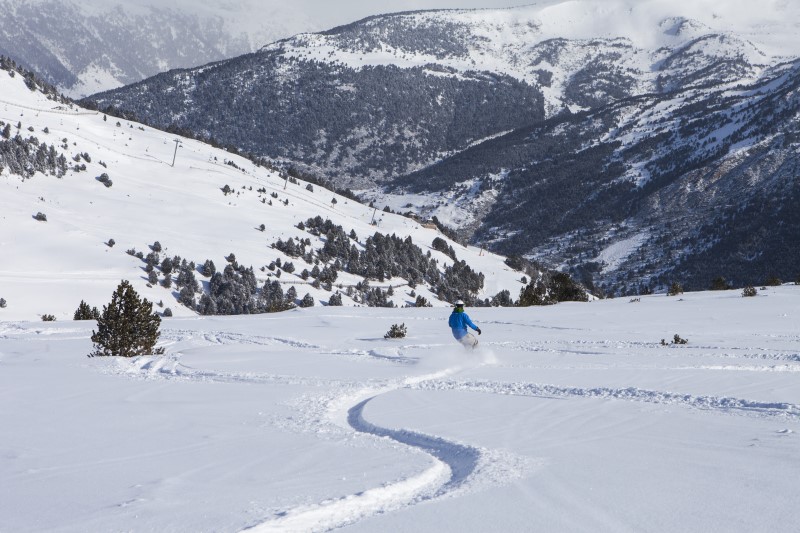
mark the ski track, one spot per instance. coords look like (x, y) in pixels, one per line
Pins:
(705, 403)
(462, 459)
(457, 468)
(338, 414)
(635, 348)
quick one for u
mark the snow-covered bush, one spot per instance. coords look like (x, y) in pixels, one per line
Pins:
(307, 301)
(335, 300)
(41, 217)
(396, 332)
(3, 303)
(168, 312)
(105, 180)
(749, 291)
(422, 302)
(48, 318)
(208, 269)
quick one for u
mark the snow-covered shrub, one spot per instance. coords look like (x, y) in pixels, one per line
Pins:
(3, 303)
(396, 332)
(168, 312)
(307, 301)
(441, 245)
(127, 327)
(48, 318)
(111, 243)
(152, 277)
(749, 291)
(186, 297)
(335, 300)
(105, 180)
(156, 247)
(167, 266)
(41, 217)
(208, 269)
(773, 281)
(502, 299)
(678, 340)
(422, 302)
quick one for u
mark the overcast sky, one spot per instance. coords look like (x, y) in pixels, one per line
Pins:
(325, 14)
(276, 19)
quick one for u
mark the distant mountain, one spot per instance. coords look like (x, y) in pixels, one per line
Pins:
(558, 131)
(85, 46)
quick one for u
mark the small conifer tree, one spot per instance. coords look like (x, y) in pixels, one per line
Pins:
(675, 289)
(127, 327)
(396, 332)
(84, 312)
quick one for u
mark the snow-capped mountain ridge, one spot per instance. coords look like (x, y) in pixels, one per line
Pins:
(85, 46)
(460, 114)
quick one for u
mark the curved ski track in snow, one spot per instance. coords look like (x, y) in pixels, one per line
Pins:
(455, 467)
(462, 460)
(705, 403)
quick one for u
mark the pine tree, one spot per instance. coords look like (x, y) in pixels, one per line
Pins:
(307, 301)
(208, 269)
(186, 297)
(84, 312)
(127, 326)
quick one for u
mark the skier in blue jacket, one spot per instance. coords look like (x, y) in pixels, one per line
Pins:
(459, 320)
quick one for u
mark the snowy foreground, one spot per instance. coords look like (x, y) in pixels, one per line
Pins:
(568, 418)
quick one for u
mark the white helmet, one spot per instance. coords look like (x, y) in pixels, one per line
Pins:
(459, 303)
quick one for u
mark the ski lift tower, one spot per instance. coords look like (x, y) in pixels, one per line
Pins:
(177, 143)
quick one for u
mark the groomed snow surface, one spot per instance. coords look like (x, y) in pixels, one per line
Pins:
(567, 418)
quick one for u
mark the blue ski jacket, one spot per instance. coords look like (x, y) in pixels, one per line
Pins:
(459, 320)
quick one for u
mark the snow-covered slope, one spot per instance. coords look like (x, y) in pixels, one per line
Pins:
(569, 418)
(48, 267)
